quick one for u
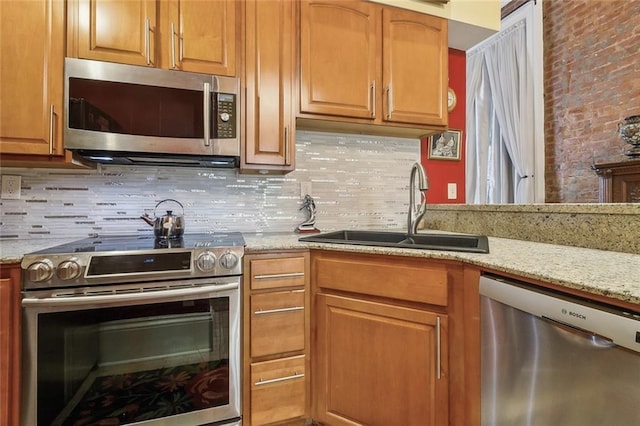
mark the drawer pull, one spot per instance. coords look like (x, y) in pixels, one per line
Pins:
(272, 276)
(261, 382)
(277, 311)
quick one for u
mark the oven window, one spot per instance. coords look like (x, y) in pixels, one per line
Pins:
(129, 364)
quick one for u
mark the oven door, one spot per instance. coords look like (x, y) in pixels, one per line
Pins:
(158, 354)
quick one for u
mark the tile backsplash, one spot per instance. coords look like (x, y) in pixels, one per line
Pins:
(356, 182)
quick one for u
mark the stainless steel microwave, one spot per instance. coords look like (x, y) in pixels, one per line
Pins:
(126, 114)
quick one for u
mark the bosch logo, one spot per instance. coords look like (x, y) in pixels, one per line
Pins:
(577, 315)
(573, 314)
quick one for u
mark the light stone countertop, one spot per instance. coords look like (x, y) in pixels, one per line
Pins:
(612, 274)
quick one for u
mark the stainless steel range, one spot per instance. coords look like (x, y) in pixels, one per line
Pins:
(133, 330)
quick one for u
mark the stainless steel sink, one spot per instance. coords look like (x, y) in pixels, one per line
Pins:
(425, 241)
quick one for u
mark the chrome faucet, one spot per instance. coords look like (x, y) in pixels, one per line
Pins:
(415, 214)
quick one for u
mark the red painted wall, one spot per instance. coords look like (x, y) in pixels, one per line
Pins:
(443, 172)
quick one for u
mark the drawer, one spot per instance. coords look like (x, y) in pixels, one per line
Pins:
(278, 390)
(277, 272)
(393, 277)
(277, 322)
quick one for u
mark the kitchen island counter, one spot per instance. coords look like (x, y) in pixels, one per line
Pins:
(606, 273)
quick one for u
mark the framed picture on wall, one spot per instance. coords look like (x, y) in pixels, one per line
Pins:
(445, 146)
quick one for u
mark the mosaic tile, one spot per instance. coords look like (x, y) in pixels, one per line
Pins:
(357, 182)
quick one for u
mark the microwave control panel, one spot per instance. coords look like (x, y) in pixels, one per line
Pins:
(226, 116)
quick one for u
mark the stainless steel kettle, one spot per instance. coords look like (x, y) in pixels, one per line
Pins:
(168, 226)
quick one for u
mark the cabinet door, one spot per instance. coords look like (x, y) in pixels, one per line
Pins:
(31, 77)
(5, 349)
(379, 364)
(339, 57)
(201, 36)
(121, 31)
(626, 187)
(269, 68)
(10, 345)
(415, 67)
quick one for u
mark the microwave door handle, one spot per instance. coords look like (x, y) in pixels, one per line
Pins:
(207, 113)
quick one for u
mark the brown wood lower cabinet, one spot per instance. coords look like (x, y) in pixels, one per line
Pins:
(277, 322)
(278, 390)
(380, 364)
(10, 345)
(276, 326)
(619, 182)
(389, 341)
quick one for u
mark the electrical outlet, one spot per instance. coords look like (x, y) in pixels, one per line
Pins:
(11, 187)
(452, 191)
(305, 189)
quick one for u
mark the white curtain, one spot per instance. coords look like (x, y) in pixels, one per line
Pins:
(500, 120)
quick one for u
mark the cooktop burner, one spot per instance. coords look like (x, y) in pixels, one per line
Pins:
(114, 259)
(107, 243)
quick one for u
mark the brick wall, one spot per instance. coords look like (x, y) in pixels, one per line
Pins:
(592, 81)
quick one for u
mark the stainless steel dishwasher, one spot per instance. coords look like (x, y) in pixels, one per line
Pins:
(549, 359)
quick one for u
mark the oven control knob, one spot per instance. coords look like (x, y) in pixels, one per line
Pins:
(229, 260)
(68, 270)
(40, 271)
(225, 116)
(206, 261)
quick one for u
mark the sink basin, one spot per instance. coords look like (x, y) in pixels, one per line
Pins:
(425, 241)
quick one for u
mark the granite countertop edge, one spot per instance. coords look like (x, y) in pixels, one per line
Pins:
(606, 273)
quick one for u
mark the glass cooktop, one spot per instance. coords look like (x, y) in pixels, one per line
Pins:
(107, 243)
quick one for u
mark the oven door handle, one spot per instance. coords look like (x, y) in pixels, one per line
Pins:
(97, 296)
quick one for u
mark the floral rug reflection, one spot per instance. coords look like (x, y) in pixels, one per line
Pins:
(144, 395)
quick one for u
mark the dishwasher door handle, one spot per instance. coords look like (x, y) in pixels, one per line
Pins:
(608, 322)
(596, 339)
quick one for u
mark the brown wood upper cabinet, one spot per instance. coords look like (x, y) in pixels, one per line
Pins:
(188, 35)
(31, 80)
(269, 75)
(372, 63)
